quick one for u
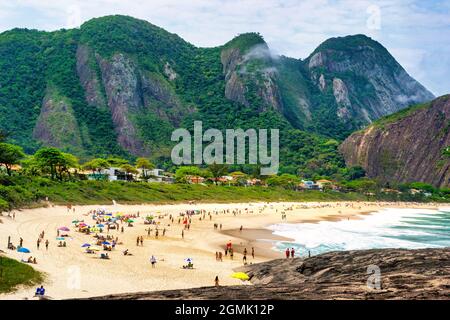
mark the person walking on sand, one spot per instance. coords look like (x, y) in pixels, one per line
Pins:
(46, 244)
(142, 241)
(287, 253)
(216, 281)
(137, 241)
(38, 243)
(244, 259)
(292, 253)
(182, 234)
(253, 253)
(21, 242)
(153, 261)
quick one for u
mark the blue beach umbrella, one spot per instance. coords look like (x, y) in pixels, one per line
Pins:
(100, 225)
(106, 243)
(85, 245)
(23, 250)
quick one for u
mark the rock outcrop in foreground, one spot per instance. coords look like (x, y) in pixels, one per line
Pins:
(405, 274)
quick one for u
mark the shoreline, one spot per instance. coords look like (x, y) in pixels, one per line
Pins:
(134, 273)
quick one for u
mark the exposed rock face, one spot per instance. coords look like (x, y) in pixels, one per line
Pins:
(386, 86)
(122, 86)
(404, 274)
(340, 92)
(407, 149)
(238, 76)
(57, 125)
(169, 72)
(88, 77)
(322, 83)
(234, 87)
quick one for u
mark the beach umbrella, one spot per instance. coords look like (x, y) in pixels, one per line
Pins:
(130, 220)
(23, 250)
(60, 238)
(85, 245)
(64, 229)
(188, 260)
(75, 221)
(109, 214)
(100, 225)
(106, 243)
(241, 276)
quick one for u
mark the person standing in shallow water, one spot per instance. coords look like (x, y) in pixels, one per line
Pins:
(287, 253)
(292, 253)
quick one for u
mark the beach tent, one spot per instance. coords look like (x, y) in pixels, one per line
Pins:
(241, 276)
(23, 250)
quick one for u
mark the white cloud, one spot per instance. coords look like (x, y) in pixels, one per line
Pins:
(412, 29)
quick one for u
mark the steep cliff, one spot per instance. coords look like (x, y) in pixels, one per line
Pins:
(366, 80)
(407, 146)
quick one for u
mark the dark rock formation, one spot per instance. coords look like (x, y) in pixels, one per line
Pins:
(406, 147)
(404, 274)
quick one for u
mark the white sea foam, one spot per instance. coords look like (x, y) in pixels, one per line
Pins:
(389, 228)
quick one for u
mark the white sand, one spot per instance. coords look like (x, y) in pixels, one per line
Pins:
(72, 273)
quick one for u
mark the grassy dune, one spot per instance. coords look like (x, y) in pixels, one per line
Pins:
(14, 273)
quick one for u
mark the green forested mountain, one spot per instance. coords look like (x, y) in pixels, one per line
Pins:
(119, 86)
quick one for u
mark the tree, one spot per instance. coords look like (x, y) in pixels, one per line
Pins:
(287, 181)
(3, 135)
(183, 172)
(116, 162)
(354, 173)
(239, 177)
(362, 185)
(129, 170)
(10, 155)
(96, 165)
(50, 160)
(144, 164)
(217, 171)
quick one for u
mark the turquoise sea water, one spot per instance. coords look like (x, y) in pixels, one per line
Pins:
(389, 228)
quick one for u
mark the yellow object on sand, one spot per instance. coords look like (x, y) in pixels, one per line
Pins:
(241, 276)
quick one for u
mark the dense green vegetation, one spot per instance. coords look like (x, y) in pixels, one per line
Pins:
(14, 273)
(42, 65)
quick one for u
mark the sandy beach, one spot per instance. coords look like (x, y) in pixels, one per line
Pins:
(72, 273)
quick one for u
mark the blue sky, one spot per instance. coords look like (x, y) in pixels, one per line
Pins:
(416, 32)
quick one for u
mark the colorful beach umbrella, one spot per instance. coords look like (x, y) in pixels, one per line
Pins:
(130, 220)
(85, 245)
(241, 276)
(75, 221)
(100, 225)
(64, 229)
(23, 250)
(60, 238)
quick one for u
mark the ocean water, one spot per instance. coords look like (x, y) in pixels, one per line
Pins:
(389, 228)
